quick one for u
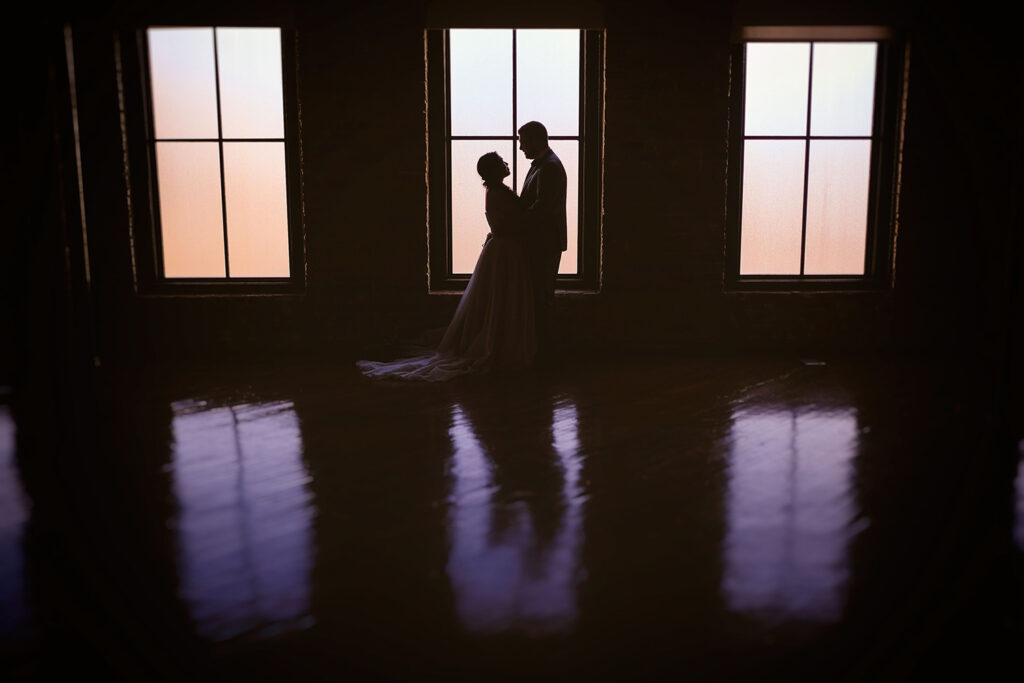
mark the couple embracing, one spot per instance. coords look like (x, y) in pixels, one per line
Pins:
(503, 320)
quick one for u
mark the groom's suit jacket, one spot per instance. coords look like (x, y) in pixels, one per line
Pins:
(544, 197)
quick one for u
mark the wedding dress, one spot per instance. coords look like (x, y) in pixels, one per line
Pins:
(494, 326)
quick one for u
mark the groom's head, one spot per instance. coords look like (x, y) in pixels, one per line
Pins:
(533, 139)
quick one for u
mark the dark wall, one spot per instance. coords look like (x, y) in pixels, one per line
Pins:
(362, 95)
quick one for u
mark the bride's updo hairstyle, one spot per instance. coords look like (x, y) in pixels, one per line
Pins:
(491, 168)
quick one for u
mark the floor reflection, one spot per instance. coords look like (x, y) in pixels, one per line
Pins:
(789, 512)
(14, 608)
(515, 522)
(244, 520)
(1018, 532)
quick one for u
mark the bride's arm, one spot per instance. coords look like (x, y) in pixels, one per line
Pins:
(504, 211)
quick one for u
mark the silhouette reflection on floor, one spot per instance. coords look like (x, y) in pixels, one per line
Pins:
(515, 523)
(639, 519)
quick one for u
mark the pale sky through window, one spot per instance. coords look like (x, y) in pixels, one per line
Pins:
(257, 208)
(837, 206)
(776, 96)
(806, 89)
(251, 96)
(773, 181)
(547, 63)
(183, 83)
(191, 222)
(481, 81)
(187, 65)
(548, 79)
(843, 88)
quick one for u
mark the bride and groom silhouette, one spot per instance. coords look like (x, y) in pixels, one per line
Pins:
(503, 320)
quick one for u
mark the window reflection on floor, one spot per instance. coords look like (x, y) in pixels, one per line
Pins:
(789, 513)
(515, 525)
(244, 518)
(14, 608)
(1019, 527)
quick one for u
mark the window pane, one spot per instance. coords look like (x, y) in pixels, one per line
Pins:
(568, 152)
(183, 82)
(772, 213)
(257, 209)
(249, 60)
(837, 207)
(776, 89)
(191, 225)
(843, 88)
(548, 79)
(481, 82)
(469, 225)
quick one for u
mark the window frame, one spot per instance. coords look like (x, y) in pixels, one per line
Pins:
(883, 190)
(591, 135)
(138, 138)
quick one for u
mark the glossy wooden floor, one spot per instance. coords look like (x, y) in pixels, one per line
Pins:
(617, 518)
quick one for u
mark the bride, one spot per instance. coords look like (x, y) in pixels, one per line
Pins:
(494, 325)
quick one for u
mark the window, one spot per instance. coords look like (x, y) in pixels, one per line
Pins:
(483, 85)
(213, 138)
(813, 158)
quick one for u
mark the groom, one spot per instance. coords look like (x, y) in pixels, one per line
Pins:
(546, 230)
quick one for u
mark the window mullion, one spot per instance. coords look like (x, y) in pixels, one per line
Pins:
(581, 161)
(879, 106)
(807, 157)
(515, 113)
(220, 148)
(448, 249)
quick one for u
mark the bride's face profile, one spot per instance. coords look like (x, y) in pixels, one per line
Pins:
(492, 168)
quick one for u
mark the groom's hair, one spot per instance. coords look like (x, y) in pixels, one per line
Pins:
(534, 130)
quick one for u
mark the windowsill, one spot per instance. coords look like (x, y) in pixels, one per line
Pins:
(205, 290)
(817, 286)
(560, 293)
(563, 287)
(219, 295)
